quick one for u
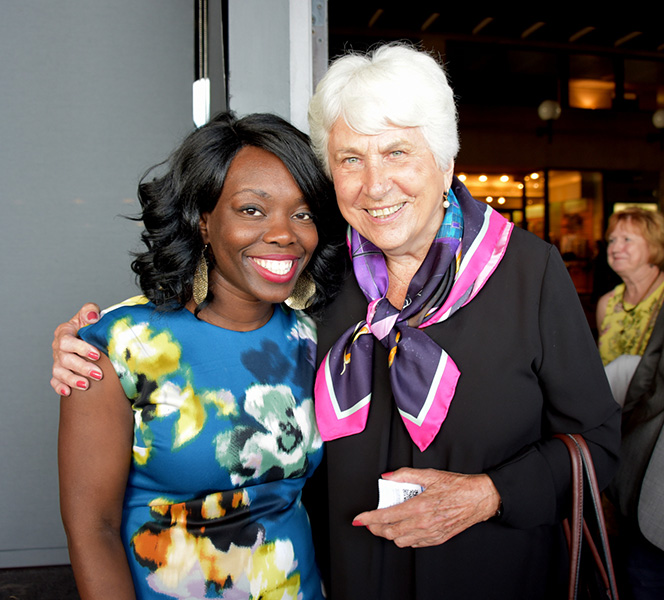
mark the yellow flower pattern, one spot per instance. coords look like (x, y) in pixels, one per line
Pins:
(224, 438)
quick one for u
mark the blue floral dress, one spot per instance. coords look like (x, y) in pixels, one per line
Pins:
(224, 439)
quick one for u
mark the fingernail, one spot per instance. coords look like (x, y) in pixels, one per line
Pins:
(93, 316)
(95, 375)
(82, 385)
(357, 523)
(387, 474)
(64, 392)
(93, 355)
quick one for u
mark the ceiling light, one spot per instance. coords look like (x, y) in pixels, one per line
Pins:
(549, 110)
(658, 118)
(429, 21)
(375, 17)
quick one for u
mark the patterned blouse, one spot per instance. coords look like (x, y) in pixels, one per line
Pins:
(224, 439)
(626, 328)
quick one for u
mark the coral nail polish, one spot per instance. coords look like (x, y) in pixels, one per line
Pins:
(82, 385)
(95, 375)
(93, 355)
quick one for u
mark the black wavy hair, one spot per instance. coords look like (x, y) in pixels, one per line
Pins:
(172, 205)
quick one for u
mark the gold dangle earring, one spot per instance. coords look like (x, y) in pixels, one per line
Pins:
(446, 202)
(200, 287)
(303, 292)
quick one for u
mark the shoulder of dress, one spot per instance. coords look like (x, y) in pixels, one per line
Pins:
(133, 307)
(133, 301)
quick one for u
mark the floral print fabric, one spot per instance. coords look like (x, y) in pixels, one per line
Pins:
(224, 439)
(626, 328)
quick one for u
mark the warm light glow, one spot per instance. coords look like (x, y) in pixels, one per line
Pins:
(591, 93)
(489, 187)
(534, 175)
(375, 17)
(618, 206)
(627, 38)
(429, 21)
(579, 34)
(532, 29)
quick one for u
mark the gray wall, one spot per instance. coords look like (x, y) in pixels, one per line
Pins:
(92, 94)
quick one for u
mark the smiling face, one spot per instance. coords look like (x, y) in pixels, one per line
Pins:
(261, 232)
(627, 251)
(389, 187)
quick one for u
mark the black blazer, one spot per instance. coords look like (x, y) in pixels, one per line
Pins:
(638, 488)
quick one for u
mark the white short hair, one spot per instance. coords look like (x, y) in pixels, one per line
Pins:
(391, 86)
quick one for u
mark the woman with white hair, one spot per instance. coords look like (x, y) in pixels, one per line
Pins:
(448, 361)
(456, 349)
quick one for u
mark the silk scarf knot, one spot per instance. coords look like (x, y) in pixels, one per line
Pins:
(466, 250)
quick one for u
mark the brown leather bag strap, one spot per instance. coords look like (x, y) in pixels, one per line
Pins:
(576, 518)
(604, 562)
(581, 461)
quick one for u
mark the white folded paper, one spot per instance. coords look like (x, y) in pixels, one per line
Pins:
(396, 492)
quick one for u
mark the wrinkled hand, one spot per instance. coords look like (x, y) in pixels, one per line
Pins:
(450, 503)
(71, 356)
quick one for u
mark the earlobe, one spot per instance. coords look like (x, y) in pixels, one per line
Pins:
(202, 223)
(449, 173)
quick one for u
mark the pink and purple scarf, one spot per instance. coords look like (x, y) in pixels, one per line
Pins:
(466, 251)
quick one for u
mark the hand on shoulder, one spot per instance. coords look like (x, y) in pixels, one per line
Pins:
(72, 357)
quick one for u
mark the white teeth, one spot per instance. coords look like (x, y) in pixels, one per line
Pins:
(385, 212)
(278, 267)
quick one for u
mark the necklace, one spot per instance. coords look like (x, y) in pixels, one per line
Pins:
(643, 297)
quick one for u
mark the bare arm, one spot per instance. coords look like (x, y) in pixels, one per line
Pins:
(450, 504)
(94, 455)
(72, 356)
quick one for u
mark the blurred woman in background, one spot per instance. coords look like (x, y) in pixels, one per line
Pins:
(631, 342)
(626, 315)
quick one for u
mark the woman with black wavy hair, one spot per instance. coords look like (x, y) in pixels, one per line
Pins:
(172, 205)
(182, 476)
